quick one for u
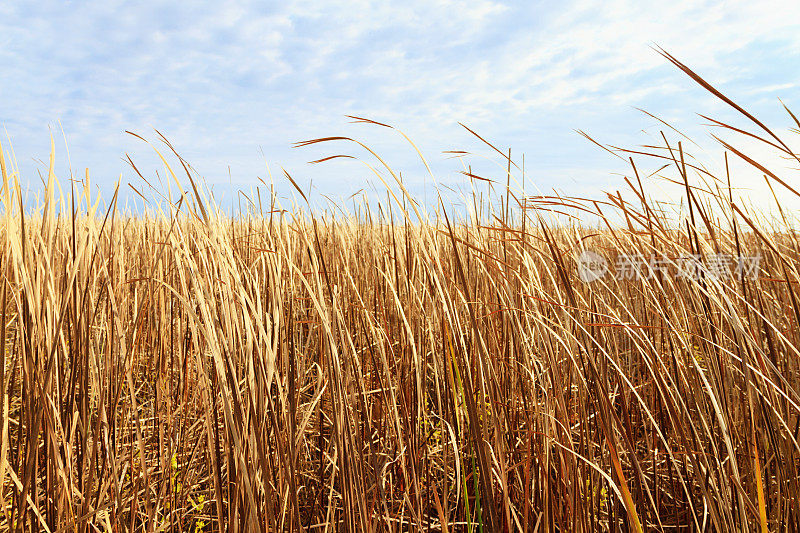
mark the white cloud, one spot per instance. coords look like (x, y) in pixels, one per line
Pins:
(223, 79)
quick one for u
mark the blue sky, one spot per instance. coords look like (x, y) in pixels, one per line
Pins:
(233, 85)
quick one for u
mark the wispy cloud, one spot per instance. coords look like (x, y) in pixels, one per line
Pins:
(225, 81)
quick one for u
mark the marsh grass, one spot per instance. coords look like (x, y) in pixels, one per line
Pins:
(282, 370)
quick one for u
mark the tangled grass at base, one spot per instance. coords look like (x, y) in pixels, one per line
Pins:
(288, 371)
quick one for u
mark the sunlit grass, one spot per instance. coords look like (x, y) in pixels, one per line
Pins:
(185, 371)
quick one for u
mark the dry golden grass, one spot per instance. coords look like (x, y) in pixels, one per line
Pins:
(185, 371)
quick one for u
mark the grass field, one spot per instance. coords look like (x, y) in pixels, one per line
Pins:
(395, 371)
